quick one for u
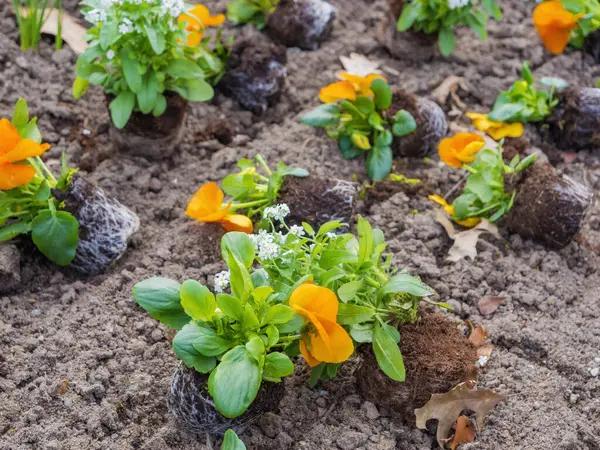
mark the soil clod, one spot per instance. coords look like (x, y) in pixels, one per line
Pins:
(10, 267)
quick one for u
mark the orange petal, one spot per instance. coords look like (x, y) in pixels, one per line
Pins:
(316, 300)
(26, 148)
(9, 136)
(310, 360)
(438, 199)
(556, 39)
(15, 175)
(237, 222)
(206, 204)
(554, 25)
(338, 347)
(469, 222)
(194, 38)
(447, 155)
(192, 22)
(342, 90)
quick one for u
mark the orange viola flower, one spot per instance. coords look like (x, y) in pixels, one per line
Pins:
(460, 148)
(13, 149)
(361, 84)
(554, 25)
(342, 90)
(326, 341)
(497, 130)
(197, 19)
(207, 206)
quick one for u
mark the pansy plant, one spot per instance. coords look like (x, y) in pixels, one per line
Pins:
(140, 51)
(485, 193)
(442, 16)
(354, 114)
(250, 11)
(27, 203)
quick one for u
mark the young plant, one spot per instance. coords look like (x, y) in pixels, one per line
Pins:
(27, 203)
(250, 11)
(140, 52)
(354, 114)
(374, 297)
(485, 194)
(231, 441)
(31, 16)
(248, 190)
(442, 16)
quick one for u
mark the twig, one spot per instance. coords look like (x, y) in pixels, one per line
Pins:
(457, 185)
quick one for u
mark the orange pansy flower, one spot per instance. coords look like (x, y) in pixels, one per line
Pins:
(197, 19)
(13, 149)
(342, 90)
(327, 341)
(207, 206)
(460, 148)
(554, 25)
(361, 84)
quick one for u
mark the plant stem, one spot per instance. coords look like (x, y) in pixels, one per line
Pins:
(263, 164)
(249, 204)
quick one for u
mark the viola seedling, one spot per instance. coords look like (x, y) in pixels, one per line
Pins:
(255, 12)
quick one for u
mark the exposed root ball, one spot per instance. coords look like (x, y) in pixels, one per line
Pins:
(592, 45)
(153, 137)
(105, 225)
(549, 206)
(10, 267)
(193, 406)
(431, 124)
(301, 23)
(256, 73)
(437, 357)
(575, 122)
(317, 201)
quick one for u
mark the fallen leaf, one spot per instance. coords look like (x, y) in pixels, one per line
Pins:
(446, 88)
(489, 304)
(446, 408)
(359, 65)
(478, 334)
(464, 432)
(72, 32)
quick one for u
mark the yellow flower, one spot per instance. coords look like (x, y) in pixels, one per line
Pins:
(460, 148)
(197, 19)
(554, 25)
(342, 90)
(469, 222)
(207, 206)
(362, 85)
(497, 130)
(14, 149)
(327, 341)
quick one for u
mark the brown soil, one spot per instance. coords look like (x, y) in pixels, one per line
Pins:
(317, 201)
(592, 45)
(149, 136)
(437, 357)
(549, 206)
(191, 403)
(431, 124)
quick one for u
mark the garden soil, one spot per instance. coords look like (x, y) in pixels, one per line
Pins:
(83, 367)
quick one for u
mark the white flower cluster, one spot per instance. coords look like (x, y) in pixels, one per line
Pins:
(267, 244)
(126, 26)
(95, 16)
(454, 4)
(173, 7)
(221, 281)
(276, 212)
(110, 54)
(297, 230)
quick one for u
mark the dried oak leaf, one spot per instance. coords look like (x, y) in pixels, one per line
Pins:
(464, 432)
(446, 408)
(72, 32)
(478, 334)
(359, 65)
(489, 304)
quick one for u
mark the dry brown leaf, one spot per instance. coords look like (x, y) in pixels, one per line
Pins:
(478, 334)
(72, 31)
(446, 408)
(489, 304)
(485, 350)
(446, 88)
(359, 65)
(464, 432)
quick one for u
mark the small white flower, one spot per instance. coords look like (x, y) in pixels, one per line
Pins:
(86, 132)
(454, 4)
(269, 250)
(332, 236)
(125, 28)
(297, 230)
(277, 212)
(96, 16)
(173, 7)
(221, 281)
(110, 54)
(483, 360)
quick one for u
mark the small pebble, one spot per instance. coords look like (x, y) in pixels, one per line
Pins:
(595, 371)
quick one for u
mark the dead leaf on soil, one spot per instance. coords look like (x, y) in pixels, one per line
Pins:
(485, 350)
(464, 432)
(478, 334)
(465, 242)
(446, 408)
(359, 65)
(447, 88)
(489, 304)
(72, 32)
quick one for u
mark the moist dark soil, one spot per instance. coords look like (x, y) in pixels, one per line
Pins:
(437, 357)
(193, 406)
(383, 190)
(431, 124)
(592, 45)
(549, 206)
(575, 121)
(301, 23)
(149, 136)
(317, 201)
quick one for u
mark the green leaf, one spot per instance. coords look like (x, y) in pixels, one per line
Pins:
(278, 314)
(272, 335)
(56, 235)
(131, 70)
(80, 87)
(196, 90)
(160, 298)
(404, 123)
(364, 104)
(278, 365)
(334, 257)
(348, 149)
(239, 279)
(406, 283)
(197, 301)
(231, 441)
(354, 314)
(526, 73)
(362, 333)
(529, 160)
(31, 131)
(347, 292)
(148, 93)
(388, 354)
(506, 112)
(329, 226)
(410, 13)
(20, 116)
(326, 115)
(209, 344)
(109, 33)
(478, 184)
(383, 94)
(235, 382)
(183, 346)
(249, 321)
(43, 193)
(365, 239)
(230, 306)
(293, 325)
(184, 69)
(156, 38)
(240, 245)
(256, 347)
(558, 83)
(121, 108)
(241, 11)
(379, 163)
(13, 230)
(446, 41)
(160, 107)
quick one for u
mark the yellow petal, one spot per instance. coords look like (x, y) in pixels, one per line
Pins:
(337, 348)
(513, 130)
(237, 222)
(469, 222)
(342, 90)
(310, 359)
(316, 300)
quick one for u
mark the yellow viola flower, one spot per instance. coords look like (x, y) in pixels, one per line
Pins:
(342, 90)
(554, 25)
(197, 19)
(497, 130)
(362, 85)
(469, 222)
(460, 148)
